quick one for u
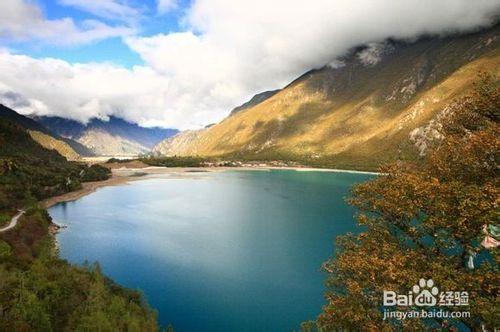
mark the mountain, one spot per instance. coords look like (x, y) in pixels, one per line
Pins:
(52, 143)
(356, 112)
(257, 99)
(29, 170)
(69, 148)
(177, 144)
(112, 137)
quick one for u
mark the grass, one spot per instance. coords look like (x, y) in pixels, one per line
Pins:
(4, 219)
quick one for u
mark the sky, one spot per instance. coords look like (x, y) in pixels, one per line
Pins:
(186, 63)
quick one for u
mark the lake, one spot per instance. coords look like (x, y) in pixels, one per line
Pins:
(216, 251)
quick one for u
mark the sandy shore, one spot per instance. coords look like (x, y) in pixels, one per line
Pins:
(87, 188)
(123, 175)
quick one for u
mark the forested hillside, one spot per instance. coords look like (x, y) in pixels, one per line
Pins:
(29, 171)
(40, 292)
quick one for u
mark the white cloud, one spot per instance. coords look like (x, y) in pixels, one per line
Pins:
(164, 6)
(81, 91)
(229, 50)
(373, 53)
(234, 49)
(336, 63)
(24, 21)
(110, 9)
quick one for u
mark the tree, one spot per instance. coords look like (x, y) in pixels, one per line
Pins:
(426, 219)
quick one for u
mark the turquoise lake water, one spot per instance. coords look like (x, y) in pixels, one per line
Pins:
(218, 251)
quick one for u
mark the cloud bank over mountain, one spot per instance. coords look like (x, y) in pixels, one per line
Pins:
(226, 52)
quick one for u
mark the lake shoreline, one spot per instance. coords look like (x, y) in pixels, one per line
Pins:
(173, 228)
(125, 175)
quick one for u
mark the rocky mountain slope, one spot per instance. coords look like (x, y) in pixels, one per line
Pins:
(70, 149)
(174, 145)
(104, 143)
(113, 137)
(356, 112)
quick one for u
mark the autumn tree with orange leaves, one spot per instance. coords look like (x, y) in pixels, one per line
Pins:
(430, 219)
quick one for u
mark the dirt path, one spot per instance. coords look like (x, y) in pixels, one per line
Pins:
(13, 221)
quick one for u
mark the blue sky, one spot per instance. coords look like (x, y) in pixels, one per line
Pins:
(113, 50)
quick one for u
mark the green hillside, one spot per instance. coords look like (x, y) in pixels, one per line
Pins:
(40, 292)
(30, 172)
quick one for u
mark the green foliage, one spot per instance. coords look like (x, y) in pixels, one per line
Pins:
(30, 172)
(118, 161)
(175, 161)
(5, 250)
(42, 293)
(310, 160)
(423, 220)
(95, 173)
(38, 291)
(4, 218)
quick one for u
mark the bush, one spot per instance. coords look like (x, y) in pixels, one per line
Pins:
(95, 173)
(175, 161)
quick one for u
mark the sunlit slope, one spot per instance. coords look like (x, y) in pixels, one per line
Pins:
(357, 115)
(103, 143)
(51, 143)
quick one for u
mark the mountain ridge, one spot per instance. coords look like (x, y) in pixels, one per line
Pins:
(113, 137)
(255, 100)
(357, 111)
(69, 148)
